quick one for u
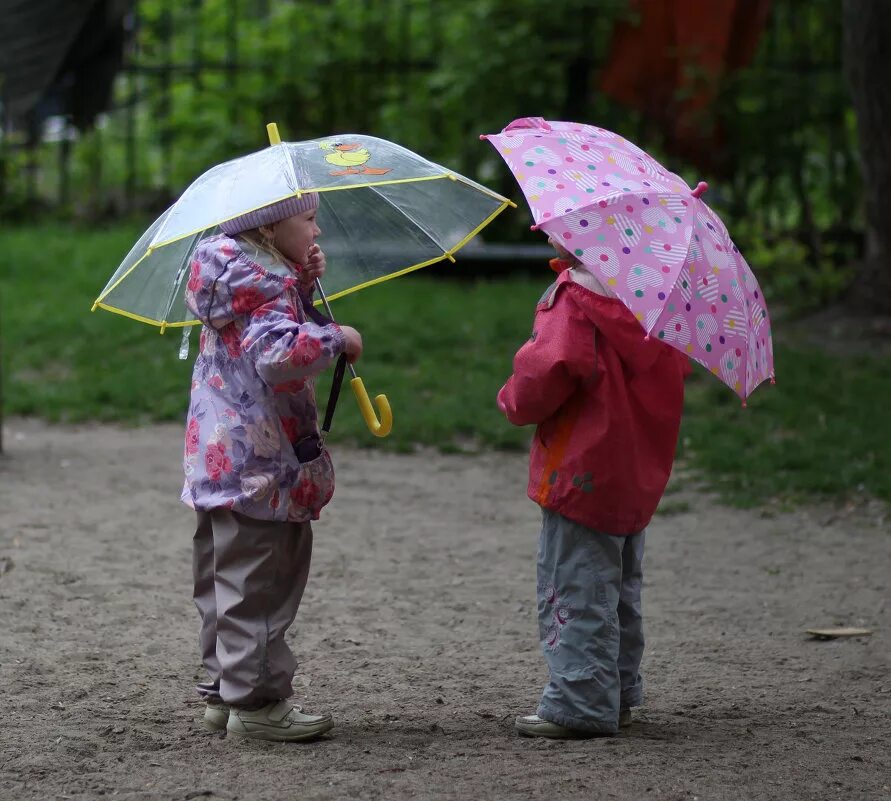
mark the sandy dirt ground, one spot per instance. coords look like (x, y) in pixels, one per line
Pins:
(417, 632)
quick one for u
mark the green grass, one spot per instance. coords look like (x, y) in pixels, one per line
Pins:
(440, 350)
(822, 430)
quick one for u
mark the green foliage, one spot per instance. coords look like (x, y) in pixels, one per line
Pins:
(787, 274)
(434, 75)
(429, 75)
(794, 200)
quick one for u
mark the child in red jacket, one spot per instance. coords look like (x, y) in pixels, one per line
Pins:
(607, 404)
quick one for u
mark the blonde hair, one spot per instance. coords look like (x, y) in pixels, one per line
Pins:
(261, 241)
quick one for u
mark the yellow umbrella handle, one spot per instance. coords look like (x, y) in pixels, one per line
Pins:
(382, 427)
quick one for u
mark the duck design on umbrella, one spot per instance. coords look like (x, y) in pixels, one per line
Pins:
(352, 157)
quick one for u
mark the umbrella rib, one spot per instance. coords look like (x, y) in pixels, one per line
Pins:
(382, 278)
(177, 281)
(106, 292)
(411, 218)
(295, 180)
(482, 189)
(406, 270)
(343, 229)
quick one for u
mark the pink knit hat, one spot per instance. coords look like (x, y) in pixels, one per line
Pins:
(271, 213)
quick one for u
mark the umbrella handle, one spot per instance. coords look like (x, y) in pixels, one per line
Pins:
(382, 427)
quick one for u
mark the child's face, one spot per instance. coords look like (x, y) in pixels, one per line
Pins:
(295, 235)
(562, 252)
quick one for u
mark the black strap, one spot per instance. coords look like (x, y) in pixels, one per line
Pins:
(339, 369)
(311, 311)
(336, 382)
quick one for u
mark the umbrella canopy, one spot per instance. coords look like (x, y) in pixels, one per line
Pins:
(647, 236)
(383, 211)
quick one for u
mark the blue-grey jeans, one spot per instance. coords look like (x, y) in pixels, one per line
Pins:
(590, 622)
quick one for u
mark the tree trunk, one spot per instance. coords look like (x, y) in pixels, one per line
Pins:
(867, 62)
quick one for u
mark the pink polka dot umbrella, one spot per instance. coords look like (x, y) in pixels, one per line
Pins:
(648, 237)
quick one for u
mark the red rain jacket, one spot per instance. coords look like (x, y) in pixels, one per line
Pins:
(607, 403)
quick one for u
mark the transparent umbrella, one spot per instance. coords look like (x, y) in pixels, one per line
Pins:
(384, 211)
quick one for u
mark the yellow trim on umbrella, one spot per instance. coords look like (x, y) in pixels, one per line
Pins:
(380, 279)
(139, 318)
(483, 224)
(321, 189)
(391, 182)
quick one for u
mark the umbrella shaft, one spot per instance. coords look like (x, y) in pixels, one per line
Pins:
(328, 309)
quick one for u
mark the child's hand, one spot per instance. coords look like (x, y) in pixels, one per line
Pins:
(314, 267)
(353, 348)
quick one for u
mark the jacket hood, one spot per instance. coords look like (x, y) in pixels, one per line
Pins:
(225, 284)
(615, 323)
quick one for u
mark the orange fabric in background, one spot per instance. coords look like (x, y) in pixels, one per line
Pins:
(670, 63)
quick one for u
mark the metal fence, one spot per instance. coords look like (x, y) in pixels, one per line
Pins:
(199, 81)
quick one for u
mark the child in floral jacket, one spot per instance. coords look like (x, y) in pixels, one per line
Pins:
(256, 470)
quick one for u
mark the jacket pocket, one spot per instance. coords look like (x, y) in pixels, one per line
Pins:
(314, 487)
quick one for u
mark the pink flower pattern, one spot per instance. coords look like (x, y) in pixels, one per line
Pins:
(232, 340)
(192, 436)
(194, 276)
(291, 426)
(247, 299)
(560, 617)
(216, 461)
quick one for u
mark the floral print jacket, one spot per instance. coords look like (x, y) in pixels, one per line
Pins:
(252, 394)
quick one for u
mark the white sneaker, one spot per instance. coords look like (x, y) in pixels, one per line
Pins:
(277, 721)
(216, 714)
(534, 726)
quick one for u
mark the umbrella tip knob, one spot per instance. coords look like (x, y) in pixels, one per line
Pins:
(745, 405)
(773, 380)
(533, 227)
(483, 137)
(700, 189)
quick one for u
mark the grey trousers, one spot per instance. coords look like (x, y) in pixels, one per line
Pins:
(590, 623)
(249, 578)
